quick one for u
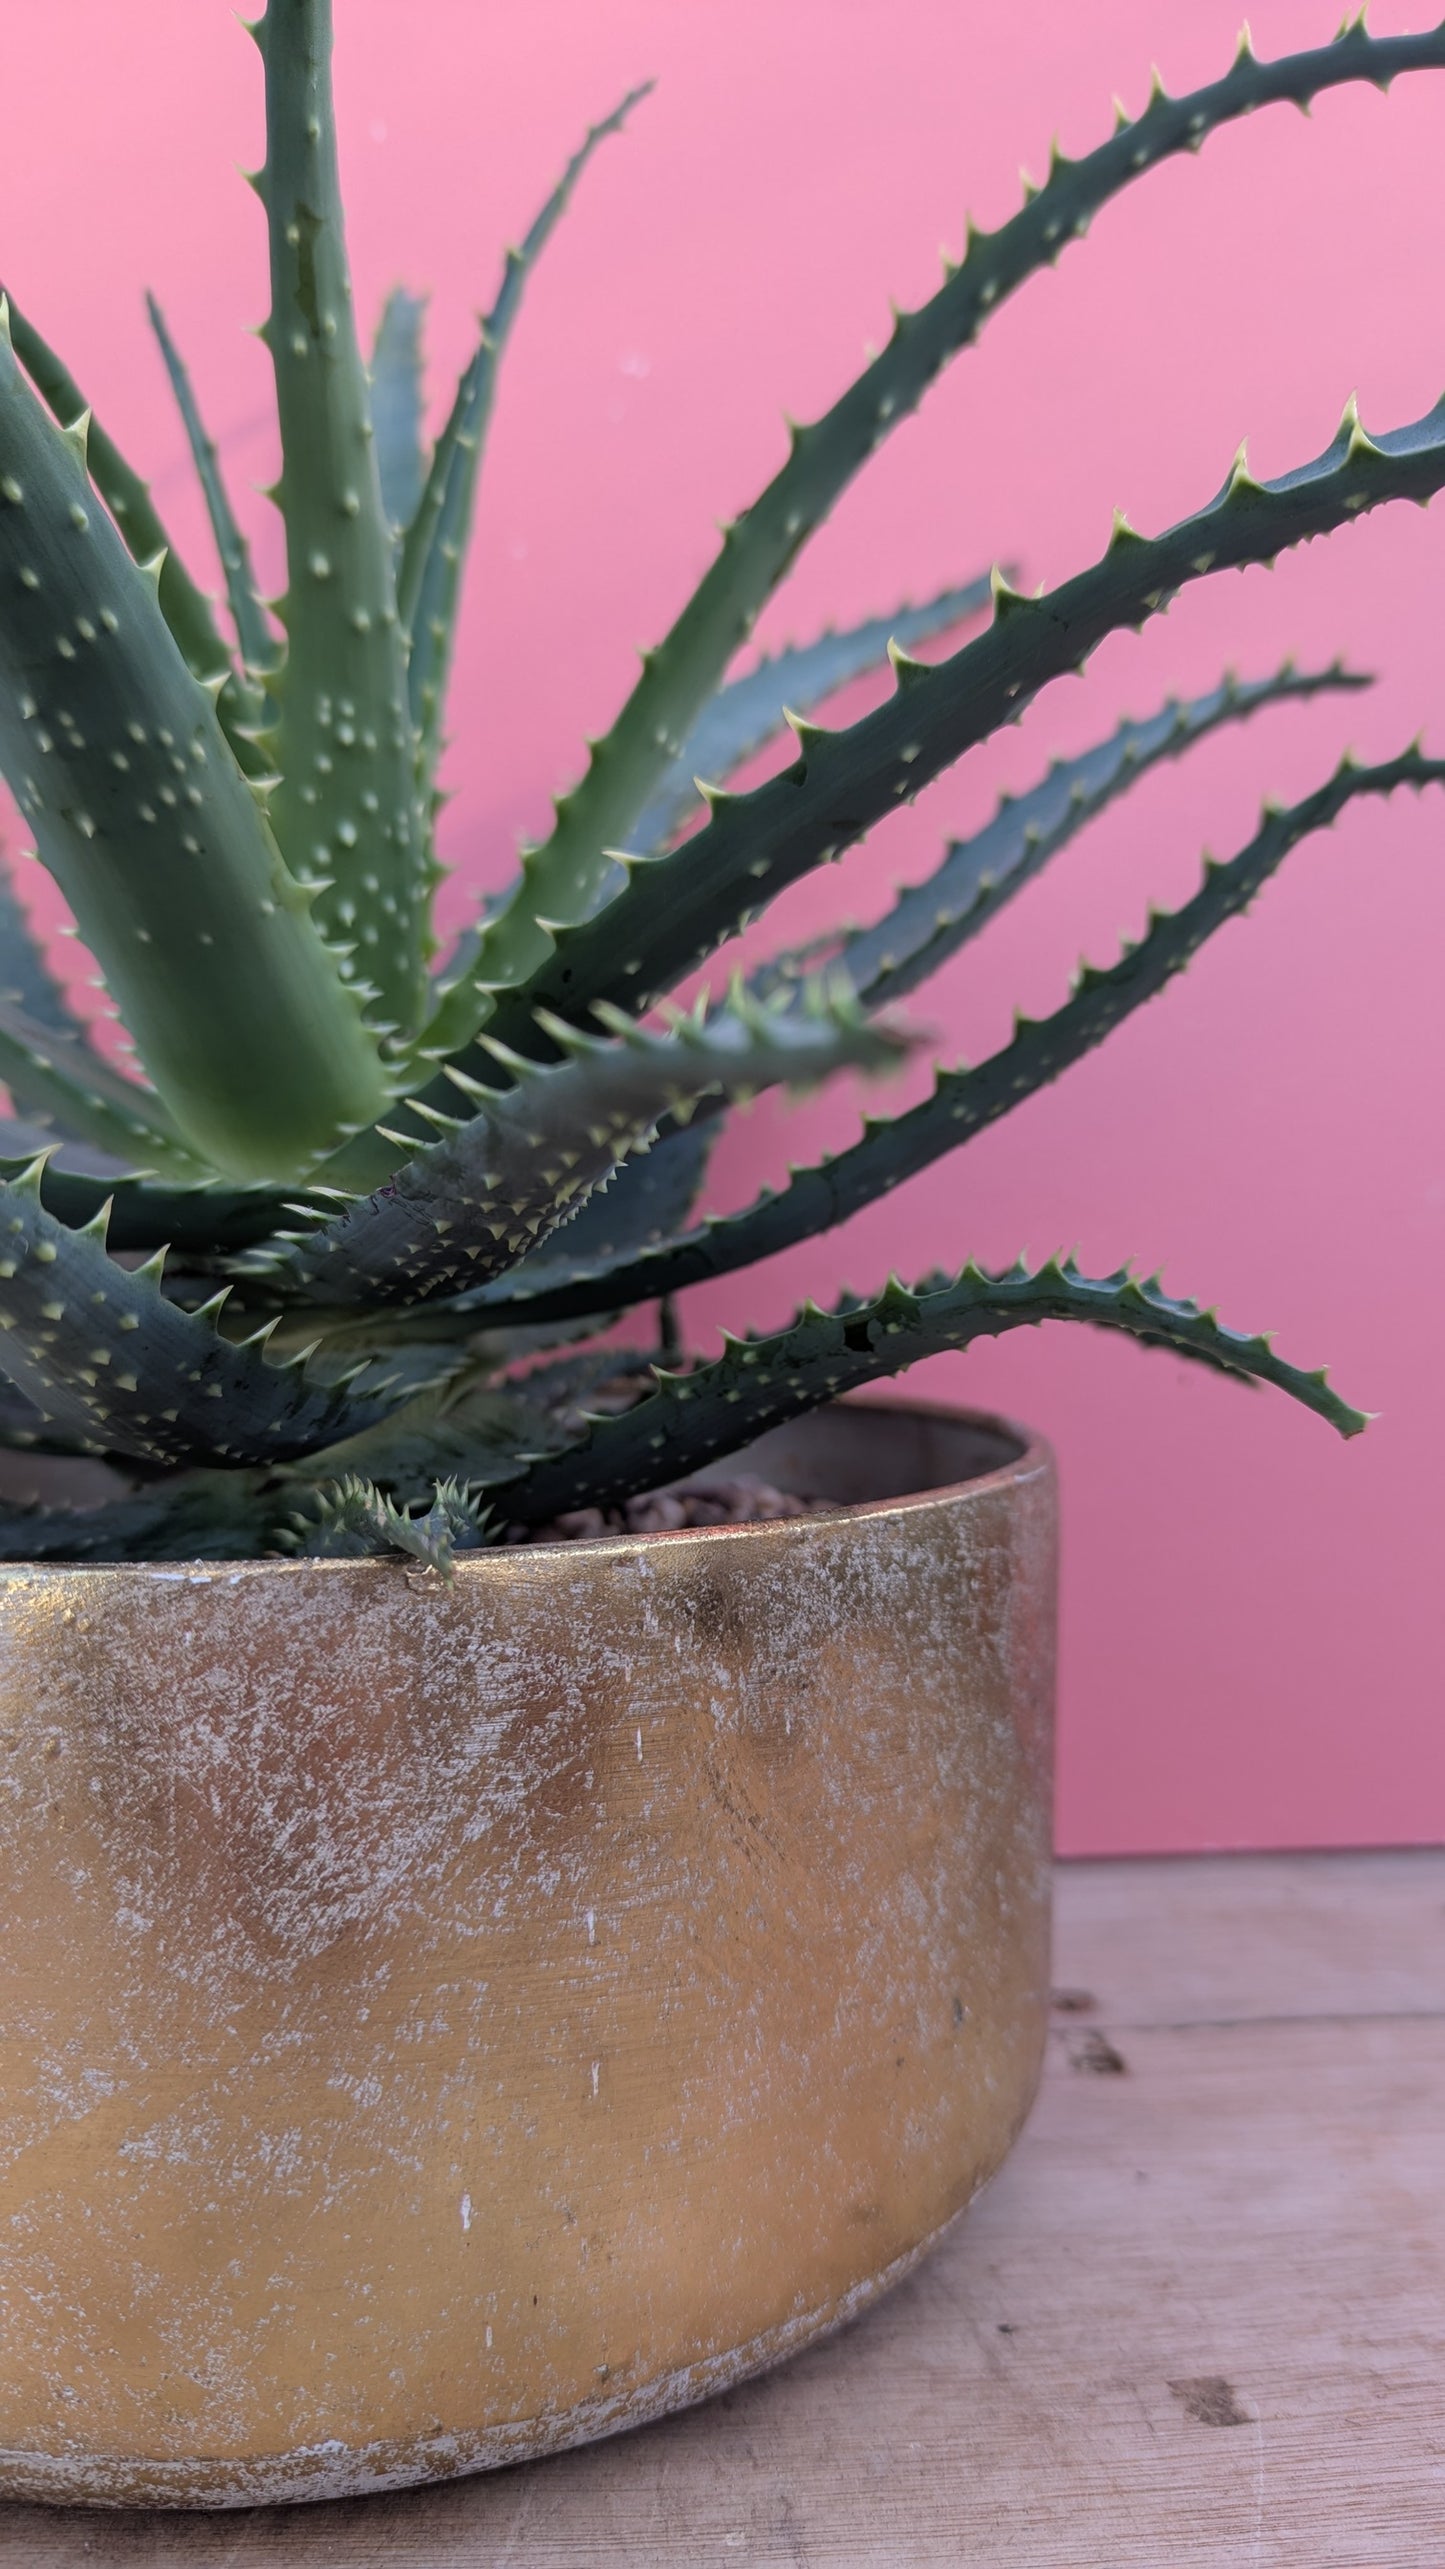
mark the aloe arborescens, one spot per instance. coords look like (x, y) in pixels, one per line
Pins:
(281, 1273)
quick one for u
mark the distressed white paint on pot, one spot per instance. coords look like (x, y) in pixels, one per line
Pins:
(443, 2024)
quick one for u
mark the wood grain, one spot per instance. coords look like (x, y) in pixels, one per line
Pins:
(1198, 2322)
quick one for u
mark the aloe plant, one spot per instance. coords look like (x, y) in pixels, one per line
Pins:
(308, 1265)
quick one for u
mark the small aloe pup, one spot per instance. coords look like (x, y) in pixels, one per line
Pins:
(300, 1270)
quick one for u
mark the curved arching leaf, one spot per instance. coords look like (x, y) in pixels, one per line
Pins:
(760, 1382)
(678, 907)
(559, 879)
(962, 1102)
(931, 920)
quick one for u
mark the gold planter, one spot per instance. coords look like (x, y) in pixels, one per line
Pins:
(443, 2025)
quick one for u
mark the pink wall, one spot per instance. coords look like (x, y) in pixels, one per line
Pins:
(1253, 1613)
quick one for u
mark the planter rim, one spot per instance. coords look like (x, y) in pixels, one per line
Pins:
(1034, 1451)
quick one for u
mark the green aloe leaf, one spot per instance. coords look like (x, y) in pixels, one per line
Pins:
(648, 1200)
(106, 1358)
(61, 1076)
(396, 405)
(759, 1382)
(744, 716)
(199, 1222)
(473, 1202)
(258, 645)
(159, 843)
(931, 920)
(965, 1101)
(28, 985)
(192, 1516)
(752, 710)
(185, 607)
(473, 1428)
(23, 1138)
(349, 809)
(560, 880)
(679, 906)
(435, 544)
(351, 1519)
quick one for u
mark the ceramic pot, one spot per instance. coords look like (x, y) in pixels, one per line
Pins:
(444, 2024)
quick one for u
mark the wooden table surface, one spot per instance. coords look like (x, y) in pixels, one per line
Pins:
(1199, 2318)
